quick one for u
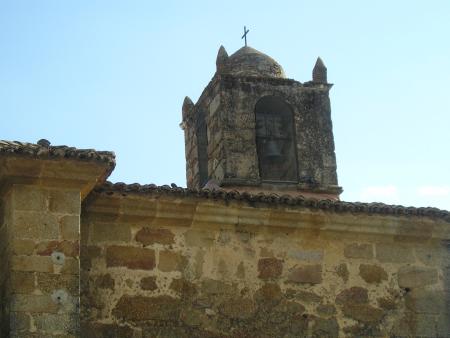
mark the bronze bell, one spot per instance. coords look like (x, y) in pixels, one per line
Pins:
(273, 151)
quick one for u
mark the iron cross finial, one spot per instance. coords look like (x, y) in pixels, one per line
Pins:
(245, 35)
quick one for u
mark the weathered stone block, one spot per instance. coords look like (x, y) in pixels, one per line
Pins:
(353, 295)
(48, 283)
(70, 227)
(171, 261)
(269, 294)
(148, 236)
(32, 263)
(22, 282)
(149, 283)
(61, 323)
(325, 327)
(212, 286)
(65, 201)
(311, 274)
(387, 303)
(130, 257)
(363, 312)
(199, 238)
(70, 266)
(356, 250)
(100, 330)
(326, 310)
(22, 247)
(104, 281)
(270, 268)
(426, 301)
(372, 273)
(185, 288)
(33, 303)
(240, 308)
(139, 308)
(68, 248)
(414, 276)
(394, 253)
(35, 225)
(30, 198)
(19, 321)
(109, 232)
(342, 271)
(308, 297)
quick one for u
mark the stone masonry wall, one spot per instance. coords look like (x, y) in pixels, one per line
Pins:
(161, 266)
(43, 262)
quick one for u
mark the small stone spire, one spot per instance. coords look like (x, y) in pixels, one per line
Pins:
(319, 72)
(222, 57)
(187, 107)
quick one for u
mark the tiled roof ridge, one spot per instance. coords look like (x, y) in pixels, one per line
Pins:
(44, 151)
(300, 201)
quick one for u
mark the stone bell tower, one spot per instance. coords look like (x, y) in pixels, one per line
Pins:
(255, 130)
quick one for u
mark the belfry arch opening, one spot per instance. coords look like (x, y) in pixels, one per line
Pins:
(275, 140)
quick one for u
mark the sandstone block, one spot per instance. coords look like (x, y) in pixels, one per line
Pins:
(139, 308)
(63, 323)
(414, 276)
(22, 282)
(69, 248)
(33, 303)
(100, 330)
(311, 274)
(105, 281)
(356, 250)
(270, 268)
(70, 227)
(171, 261)
(35, 225)
(22, 247)
(353, 295)
(32, 263)
(372, 273)
(325, 327)
(149, 236)
(269, 294)
(19, 321)
(308, 297)
(240, 308)
(212, 287)
(65, 201)
(185, 288)
(426, 301)
(48, 283)
(387, 303)
(130, 257)
(149, 283)
(363, 312)
(394, 253)
(109, 232)
(326, 310)
(342, 271)
(199, 238)
(30, 198)
(71, 266)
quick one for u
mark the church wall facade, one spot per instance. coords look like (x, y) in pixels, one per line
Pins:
(160, 264)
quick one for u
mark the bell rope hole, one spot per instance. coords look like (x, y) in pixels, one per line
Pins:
(275, 140)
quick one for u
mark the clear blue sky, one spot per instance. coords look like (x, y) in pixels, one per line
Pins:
(112, 75)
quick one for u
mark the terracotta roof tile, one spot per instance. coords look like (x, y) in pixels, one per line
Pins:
(42, 151)
(271, 199)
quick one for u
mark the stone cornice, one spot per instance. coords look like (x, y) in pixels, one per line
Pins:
(61, 166)
(181, 207)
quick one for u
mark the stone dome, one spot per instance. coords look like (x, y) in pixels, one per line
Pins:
(248, 61)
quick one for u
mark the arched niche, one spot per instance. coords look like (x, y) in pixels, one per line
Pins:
(275, 140)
